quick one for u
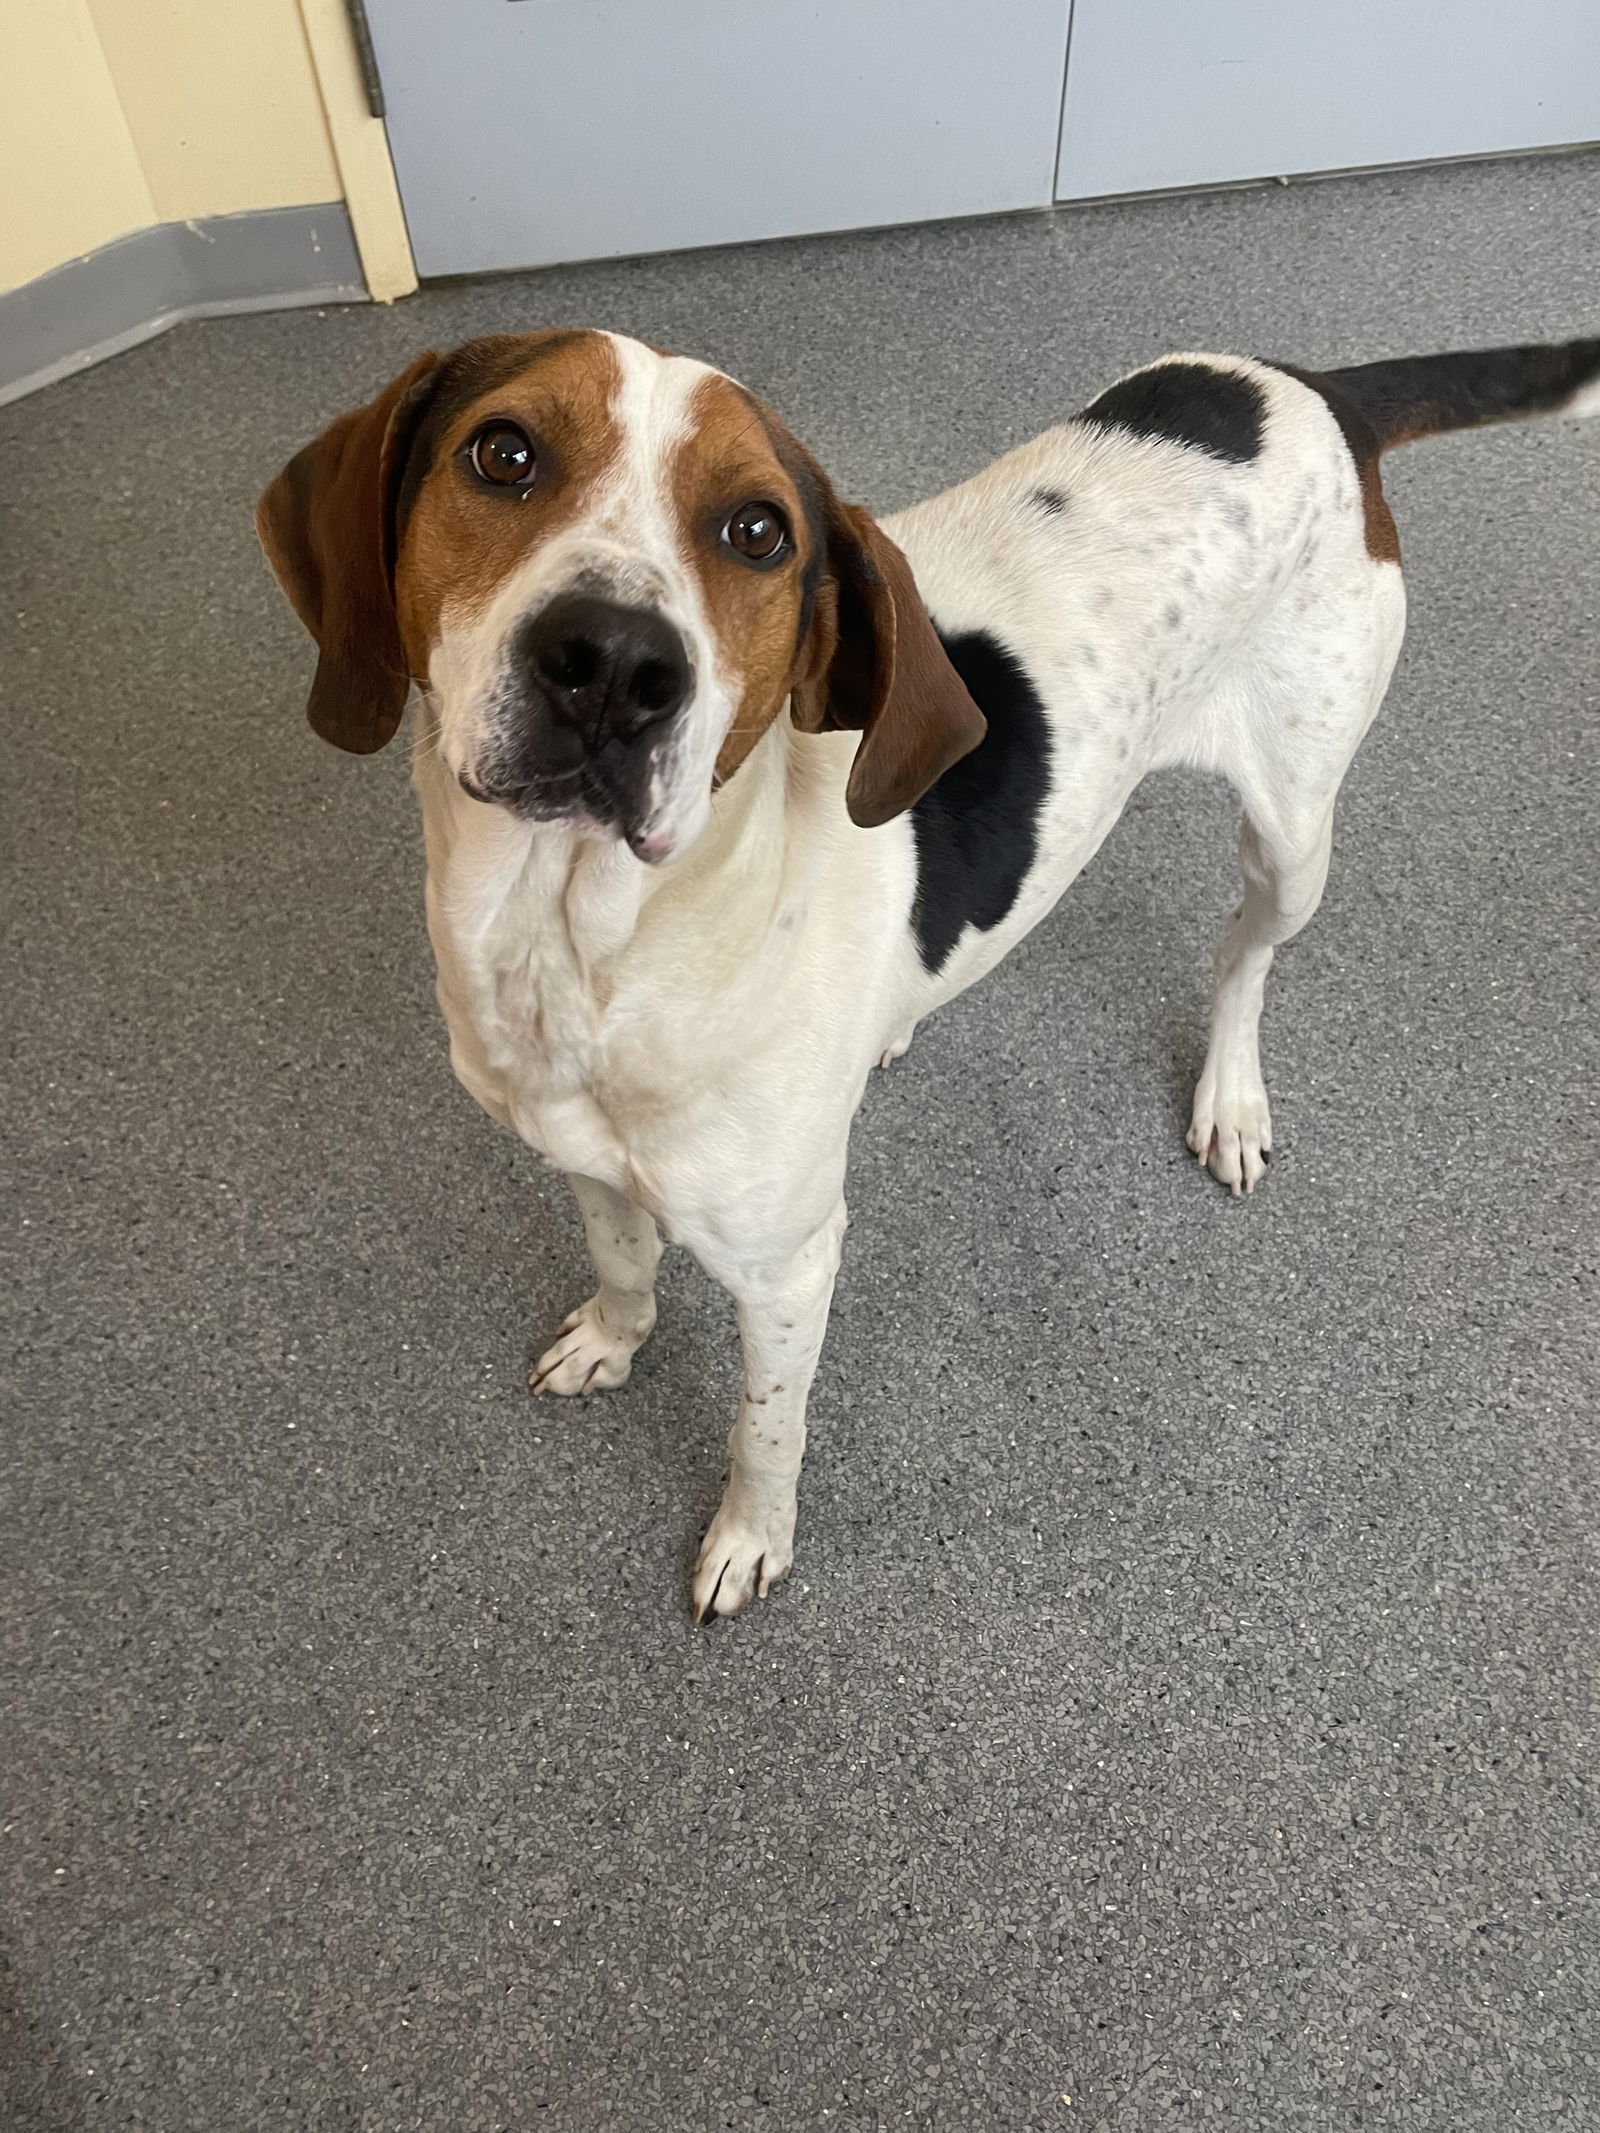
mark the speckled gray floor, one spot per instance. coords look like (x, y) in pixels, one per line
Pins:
(1183, 1712)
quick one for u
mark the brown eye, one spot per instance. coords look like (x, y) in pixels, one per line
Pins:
(757, 532)
(502, 454)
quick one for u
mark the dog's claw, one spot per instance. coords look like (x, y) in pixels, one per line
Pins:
(708, 1608)
(586, 1356)
(735, 1566)
(1232, 1137)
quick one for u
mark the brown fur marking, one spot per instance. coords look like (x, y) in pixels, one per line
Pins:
(1361, 439)
(324, 526)
(850, 640)
(379, 532)
(730, 457)
(460, 540)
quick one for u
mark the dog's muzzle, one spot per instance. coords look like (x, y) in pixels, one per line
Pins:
(587, 710)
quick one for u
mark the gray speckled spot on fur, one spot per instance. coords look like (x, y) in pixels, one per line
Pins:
(1172, 614)
(1237, 513)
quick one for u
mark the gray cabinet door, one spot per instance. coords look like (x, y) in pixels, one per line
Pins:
(529, 131)
(1197, 92)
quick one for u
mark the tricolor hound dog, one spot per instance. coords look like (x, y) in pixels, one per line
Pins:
(725, 785)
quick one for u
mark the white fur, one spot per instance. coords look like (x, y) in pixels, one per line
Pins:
(690, 1040)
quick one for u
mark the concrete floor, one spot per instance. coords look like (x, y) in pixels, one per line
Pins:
(1184, 1709)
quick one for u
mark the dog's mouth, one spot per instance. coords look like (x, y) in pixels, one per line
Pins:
(589, 798)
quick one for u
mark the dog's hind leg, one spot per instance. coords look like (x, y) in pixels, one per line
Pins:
(1286, 740)
(1285, 866)
(594, 1349)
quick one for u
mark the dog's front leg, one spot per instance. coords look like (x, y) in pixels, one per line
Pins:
(783, 1315)
(593, 1349)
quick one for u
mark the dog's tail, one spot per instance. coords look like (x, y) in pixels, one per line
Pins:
(1420, 396)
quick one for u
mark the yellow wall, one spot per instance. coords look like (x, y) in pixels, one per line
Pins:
(70, 175)
(115, 114)
(221, 101)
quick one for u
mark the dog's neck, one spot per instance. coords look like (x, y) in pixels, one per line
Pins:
(572, 909)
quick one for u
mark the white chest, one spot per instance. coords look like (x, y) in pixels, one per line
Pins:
(524, 933)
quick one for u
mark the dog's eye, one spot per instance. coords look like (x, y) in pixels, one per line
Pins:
(757, 532)
(503, 455)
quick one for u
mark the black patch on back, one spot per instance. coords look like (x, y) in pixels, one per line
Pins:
(1214, 411)
(976, 830)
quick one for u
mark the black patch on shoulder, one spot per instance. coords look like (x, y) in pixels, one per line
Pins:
(1214, 411)
(977, 829)
(1049, 501)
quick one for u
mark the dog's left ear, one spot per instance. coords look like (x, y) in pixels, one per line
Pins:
(878, 665)
(327, 525)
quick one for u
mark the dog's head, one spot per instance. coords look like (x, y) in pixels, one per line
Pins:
(610, 570)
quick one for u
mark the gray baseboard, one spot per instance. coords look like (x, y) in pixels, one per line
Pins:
(112, 299)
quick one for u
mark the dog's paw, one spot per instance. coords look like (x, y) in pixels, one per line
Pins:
(1231, 1133)
(899, 1048)
(586, 1356)
(740, 1560)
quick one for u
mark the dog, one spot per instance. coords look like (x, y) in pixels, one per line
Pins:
(725, 785)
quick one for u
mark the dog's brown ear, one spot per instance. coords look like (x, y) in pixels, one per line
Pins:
(877, 664)
(327, 525)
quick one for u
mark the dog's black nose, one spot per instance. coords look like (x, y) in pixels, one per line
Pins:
(609, 672)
